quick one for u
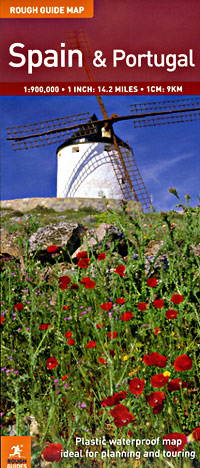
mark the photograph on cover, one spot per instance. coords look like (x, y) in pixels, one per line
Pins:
(165, 147)
(100, 279)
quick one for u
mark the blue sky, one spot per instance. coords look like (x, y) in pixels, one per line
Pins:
(167, 155)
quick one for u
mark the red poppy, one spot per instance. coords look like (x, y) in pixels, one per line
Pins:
(82, 254)
(119, 422)
(155, 398)
(52, 452)
(121, 416)
(157, 409)
(136, 386)
(19, 306)
(159, 380)
(175, 442)
(64, 279)
(120, 300)
(101, 360)
(74, 286)
(91, 344)
(52, 363)
(2, 319)
(158, 303)
(183, 363)
(89, 284)
(171, 314)
(65, 307)
(177, 299)
(142, 306)
(63, 286)
(44, 326)
(64, 377)
(52, 248)
(114, 335)
(152, 282)
(99, 325)
(114, 399)
(196, 434)
(101, 256)
(84, 263)
(120, 270)
(130, 433)
(126, 316)
(124, 421)
(118, 410)
(85, 280)
(68, 334)
(155, 359)
(106, 306)
(70, 342)
(157, 330)
(176, 384)
(63, 282)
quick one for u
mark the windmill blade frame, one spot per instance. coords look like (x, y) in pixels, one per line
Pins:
(165, 112)
(49, 132)
(140, 190)
(53, 131)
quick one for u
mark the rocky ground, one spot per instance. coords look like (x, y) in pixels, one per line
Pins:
(31, 232)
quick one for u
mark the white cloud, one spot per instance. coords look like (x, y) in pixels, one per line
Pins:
(154, 172)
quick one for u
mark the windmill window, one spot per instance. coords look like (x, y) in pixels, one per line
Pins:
(75, 149)
(122, 181)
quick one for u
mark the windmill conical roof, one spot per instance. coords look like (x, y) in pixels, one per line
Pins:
(96, 137)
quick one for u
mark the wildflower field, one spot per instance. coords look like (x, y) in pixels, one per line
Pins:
(109, 351)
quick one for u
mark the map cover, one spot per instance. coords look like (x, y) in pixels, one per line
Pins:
(100, 237)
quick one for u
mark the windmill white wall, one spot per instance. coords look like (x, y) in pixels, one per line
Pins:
(84, 170)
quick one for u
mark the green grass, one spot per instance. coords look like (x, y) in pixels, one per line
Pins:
(40, 216)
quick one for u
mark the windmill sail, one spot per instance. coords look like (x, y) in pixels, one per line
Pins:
(165, 112)
(137, 188)
(50, 131)
(143, 115)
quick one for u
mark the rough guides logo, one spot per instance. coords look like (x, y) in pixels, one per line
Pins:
(16, 452)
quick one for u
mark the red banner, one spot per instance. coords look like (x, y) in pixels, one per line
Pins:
(100, 88)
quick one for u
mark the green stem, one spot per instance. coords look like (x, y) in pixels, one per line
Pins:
(123, 373)
(33, 357)
(110, 376)
(17, 410)
(51, 413)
